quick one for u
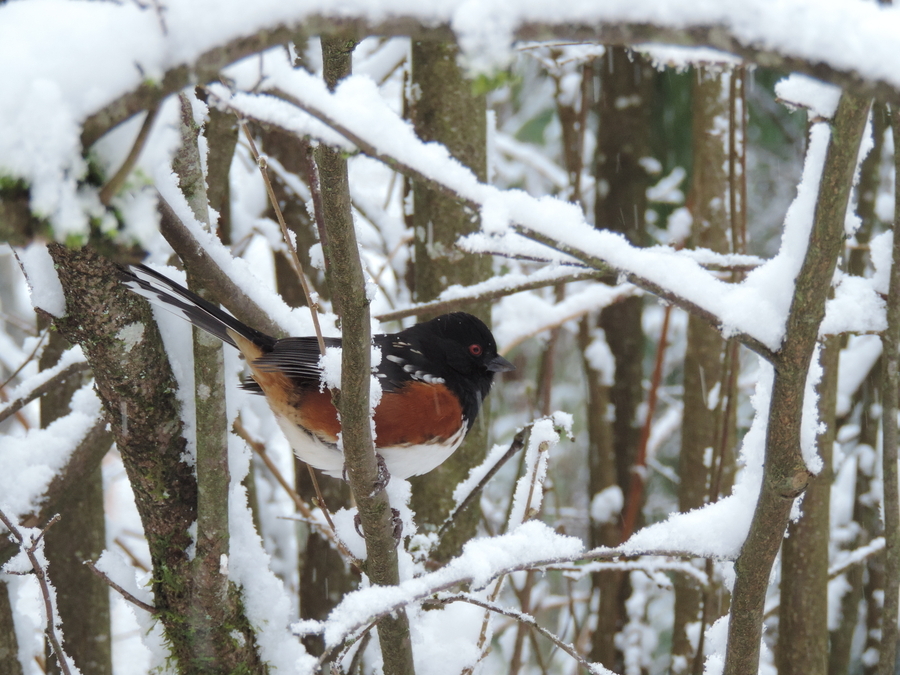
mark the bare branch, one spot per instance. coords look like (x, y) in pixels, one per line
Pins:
(517, 444)
(210, 275)
(292, 250)
(528, 620)
(125, 594)
(477, 295)
(24, 399)
(115, 183)
(30, 546)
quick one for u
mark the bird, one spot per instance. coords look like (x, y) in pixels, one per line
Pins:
(434, 376)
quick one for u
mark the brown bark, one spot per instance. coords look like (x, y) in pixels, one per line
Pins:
(887, 662)
(785, 475)
(622, 141)
(803, 612)
(324, 577)
(702, 419)
(135, 385)
(9, 646)
(82, 599)
(444, 109)
(349, 292)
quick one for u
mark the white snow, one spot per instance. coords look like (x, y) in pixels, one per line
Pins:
(805, 92)
(607, 504)
(718, 530)
(40, 454)
(43, 283)
(481, 561)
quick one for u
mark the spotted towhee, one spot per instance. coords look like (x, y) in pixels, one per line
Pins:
(433, 375)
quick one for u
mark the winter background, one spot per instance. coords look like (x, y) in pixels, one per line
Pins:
(62, 61)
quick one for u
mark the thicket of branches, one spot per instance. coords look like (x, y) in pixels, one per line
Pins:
(252, 167)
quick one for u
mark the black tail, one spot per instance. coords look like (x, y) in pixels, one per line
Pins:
(164, 292)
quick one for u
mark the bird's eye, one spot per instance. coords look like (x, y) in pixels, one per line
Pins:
(475, 350)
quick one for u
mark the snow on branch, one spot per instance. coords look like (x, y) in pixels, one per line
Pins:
(71, 363)
(357, 111)
(31, 546)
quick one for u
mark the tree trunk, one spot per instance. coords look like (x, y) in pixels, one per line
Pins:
(704, 387)
(803, 612)
(82, 598)
(444, 109)
(621, 202)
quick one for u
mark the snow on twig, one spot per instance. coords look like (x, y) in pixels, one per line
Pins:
(31, 543)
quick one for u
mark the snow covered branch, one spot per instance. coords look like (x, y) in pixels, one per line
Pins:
(31, 544)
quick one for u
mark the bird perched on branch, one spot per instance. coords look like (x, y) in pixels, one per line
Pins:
(434, 377)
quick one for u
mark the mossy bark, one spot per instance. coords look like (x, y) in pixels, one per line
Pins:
(703, 418)
(443, 108)
(620, 205)
(349, 294)
(785, 474)
(803, 612)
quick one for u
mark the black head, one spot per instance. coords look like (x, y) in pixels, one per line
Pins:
(460, 349)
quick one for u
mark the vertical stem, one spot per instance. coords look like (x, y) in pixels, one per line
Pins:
(446, 110)
(803, 612)
(349, 292)
(785, 475)
(891, 374)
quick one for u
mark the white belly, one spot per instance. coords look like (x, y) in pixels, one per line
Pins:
(402, 461)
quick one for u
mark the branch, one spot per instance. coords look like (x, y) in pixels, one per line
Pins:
(125, 594)
(208, 65)
(288, 242)
(112, 187)
(459, 572)
(517, 444)
(352, 400)
(592, 261)
(785, 474)
(889, 388)
(210, 275)
(30, 548)
(528, 620)
(663, 293)
(479, 293)
(48, 385)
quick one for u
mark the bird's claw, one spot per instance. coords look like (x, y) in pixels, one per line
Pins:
(396, 522)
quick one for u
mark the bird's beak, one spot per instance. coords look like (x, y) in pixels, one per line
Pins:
(499, 365)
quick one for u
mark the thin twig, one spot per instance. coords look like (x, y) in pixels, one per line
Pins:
(301, 505)
(125, 594)
(43, 582)
(517, 444)
(14, 406)
(365, 632)
(636, 488)
(363, 640)
(112, 187)
(442, 306)
(293, 257)
(315, 191)
(526, 619)
(27, 360)
(137, 562)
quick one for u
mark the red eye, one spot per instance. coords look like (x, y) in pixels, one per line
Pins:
(475, 350)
